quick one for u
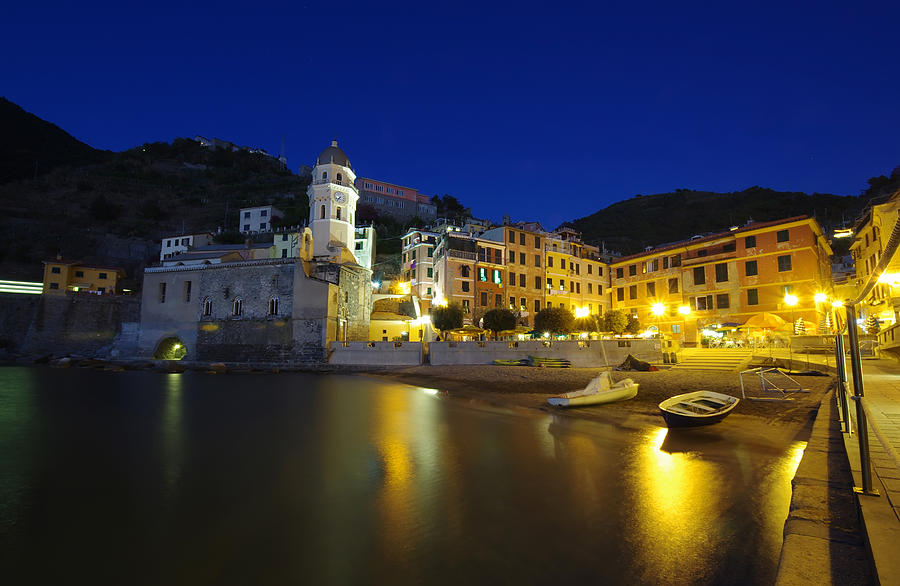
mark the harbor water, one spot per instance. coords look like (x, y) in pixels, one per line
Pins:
(150, 478)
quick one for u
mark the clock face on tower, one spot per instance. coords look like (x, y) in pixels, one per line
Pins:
(340, 196)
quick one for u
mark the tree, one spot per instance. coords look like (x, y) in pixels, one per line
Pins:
(447, 318)
(497, 320)
(615, 321)
(872, 326)
(555, 320)
(591, 323)
(632, 326)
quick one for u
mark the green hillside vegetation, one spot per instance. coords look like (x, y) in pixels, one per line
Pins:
(631, 225)
(140, 195)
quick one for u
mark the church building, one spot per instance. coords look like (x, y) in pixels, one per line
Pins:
(277, 310)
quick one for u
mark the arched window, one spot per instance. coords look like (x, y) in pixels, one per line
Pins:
(324, 174)
(338, 177)
(273, 306)
(322, 212)
(238, 308)
(338, 214)
(207, 307)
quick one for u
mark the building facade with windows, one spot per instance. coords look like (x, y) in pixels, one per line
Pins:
(62, 276)
(263, 309)
(577, 278)
(173, 245)
(257, 219)
(871, 235)
(395, 200)
(726, 278)
(417, 258)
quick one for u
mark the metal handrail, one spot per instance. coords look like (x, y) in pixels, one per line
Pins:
(885, 442)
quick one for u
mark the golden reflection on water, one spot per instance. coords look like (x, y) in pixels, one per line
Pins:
(171, 432)
(675, 513)
(406, 436)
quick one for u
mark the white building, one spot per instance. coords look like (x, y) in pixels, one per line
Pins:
(173, 245)
(418, 262)
(258, 219)
(364, 246)
(332, 205)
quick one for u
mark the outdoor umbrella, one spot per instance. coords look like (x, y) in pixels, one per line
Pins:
(764, 320)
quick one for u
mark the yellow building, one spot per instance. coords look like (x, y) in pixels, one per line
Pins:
(871, 235)
(576, 277)
(61, 276)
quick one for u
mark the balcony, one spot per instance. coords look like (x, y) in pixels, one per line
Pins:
(462, 254)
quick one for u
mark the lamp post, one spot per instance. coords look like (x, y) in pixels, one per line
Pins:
(684, 310)
(791, 301)
(658, 309)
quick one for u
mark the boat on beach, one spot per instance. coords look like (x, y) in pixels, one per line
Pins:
(697, 408)
(597, 392)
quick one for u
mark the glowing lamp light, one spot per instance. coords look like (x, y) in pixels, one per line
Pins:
(658, 309)
(837, 303)
(684, 309)
(790, 300)
(176, 346)
(820, 297)
(889, 278)
(582, 312)
(405, 287)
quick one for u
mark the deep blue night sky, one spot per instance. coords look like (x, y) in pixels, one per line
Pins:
(544, 111)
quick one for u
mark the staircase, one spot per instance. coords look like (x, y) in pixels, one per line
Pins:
(720, 360)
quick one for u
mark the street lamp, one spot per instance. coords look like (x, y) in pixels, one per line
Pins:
(684, 310)
(658, 309)
(791, 301)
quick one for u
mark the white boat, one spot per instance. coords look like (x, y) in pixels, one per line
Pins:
(697, 408)
(600, 390)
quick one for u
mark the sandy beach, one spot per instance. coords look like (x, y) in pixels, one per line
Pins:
(529, 387)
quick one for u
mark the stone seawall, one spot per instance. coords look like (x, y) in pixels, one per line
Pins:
(86, 325)
(16, 313)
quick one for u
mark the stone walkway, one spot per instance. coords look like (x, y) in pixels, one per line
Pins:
(880, 514)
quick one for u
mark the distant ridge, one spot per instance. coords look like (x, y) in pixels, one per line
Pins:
(649, 220)
(31, 146)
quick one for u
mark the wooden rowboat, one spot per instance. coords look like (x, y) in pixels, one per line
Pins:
(697, 408)
(599, 391)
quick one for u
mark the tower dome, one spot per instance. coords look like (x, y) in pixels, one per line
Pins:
(334, 154)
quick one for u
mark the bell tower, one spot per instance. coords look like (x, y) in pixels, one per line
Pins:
(332, 203)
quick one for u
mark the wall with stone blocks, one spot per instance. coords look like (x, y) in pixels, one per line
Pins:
(376, 353)
(80, 324)
(582, 354)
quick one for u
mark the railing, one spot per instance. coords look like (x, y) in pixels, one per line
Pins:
(462, 254)
(343, 182)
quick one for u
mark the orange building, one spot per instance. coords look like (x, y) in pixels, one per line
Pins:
(726, 278)
(524, 266)
(61, 276)
(469, 271)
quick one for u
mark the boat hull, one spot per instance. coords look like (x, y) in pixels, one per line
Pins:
(697, 409)
(608, 396)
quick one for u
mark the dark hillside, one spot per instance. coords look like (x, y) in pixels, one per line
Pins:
(117, 210)
(631, 225)
(30, 146)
